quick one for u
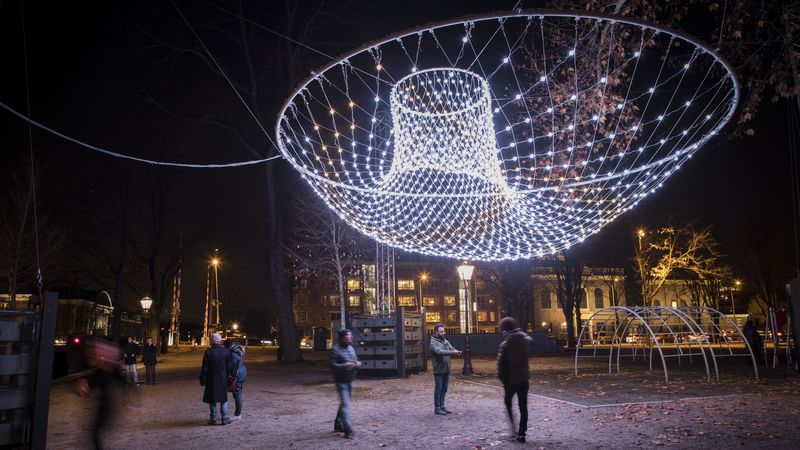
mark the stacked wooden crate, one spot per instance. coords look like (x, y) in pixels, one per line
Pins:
(390, 345)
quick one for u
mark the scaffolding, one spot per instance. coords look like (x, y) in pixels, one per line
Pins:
(385, 278)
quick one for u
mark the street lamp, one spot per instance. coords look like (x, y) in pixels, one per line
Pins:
(146, 303)
(465, 274)
(738, 284)
(423, 277)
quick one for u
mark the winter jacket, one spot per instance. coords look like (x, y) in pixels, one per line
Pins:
(340, 356)
(130, 351)
(149, 354)
(441, 350)
(237, 360)
(512, 357)
(214, 374)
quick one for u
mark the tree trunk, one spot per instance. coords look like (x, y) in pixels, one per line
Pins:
(278, 277)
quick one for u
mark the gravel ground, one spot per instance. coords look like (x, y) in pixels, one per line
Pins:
(293, 406)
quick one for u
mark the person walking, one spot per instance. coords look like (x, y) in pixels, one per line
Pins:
(344, 364)
(441, 350)
(237, 368)
(214, 378)
(513, 371)
(149, 360)
(129, 353)
(750, 333)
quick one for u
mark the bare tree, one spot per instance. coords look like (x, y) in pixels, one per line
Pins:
(571, 275)
(767, 263)
(757, 37)
(27, 245)
(321, 243)
(261, 71)
(512, 279)
(664, 252)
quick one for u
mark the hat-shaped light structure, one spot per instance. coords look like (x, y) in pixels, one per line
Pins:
(504, 136)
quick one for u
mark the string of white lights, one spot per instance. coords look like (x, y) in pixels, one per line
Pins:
(504, 137)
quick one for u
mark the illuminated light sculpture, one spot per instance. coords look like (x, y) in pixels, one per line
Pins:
(504, 136)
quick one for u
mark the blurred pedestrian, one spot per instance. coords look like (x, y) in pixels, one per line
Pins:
(344, 364)
(103, 356)
(149, 360)
(441, 350)
(130, 352)
(214, 378)
(513, 371)
(237, 368)
(750, 333)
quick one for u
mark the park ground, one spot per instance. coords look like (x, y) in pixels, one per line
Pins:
(293, 406)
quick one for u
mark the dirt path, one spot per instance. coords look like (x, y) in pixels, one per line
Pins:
(292, 406)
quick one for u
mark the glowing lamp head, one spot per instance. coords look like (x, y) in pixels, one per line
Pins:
(235, 326)
(77, 340)
(146, 302)
(465, 271)
(215, 262)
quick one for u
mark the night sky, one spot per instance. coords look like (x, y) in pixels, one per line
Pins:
(88, 60)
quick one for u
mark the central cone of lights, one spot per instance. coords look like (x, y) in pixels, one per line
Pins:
(504, 137)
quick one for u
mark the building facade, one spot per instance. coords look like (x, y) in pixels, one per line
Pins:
(435, 290)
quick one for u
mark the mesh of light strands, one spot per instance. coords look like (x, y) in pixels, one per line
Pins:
(504, 137)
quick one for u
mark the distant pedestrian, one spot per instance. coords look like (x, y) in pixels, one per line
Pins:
(237, 368)
(441, 350)
(344, 364)
(149, 360)
(130, 352)
(513, 371)
(214, 378)
(754, 339)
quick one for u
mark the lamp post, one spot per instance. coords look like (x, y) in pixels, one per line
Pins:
(215, 263)
(146, 303)
(465, 274)
(423, 277)
(738, 284)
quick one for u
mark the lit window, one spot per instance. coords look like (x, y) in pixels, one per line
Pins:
(449, 300)
(333, 300)
(353, 284)
(481, 316)
(405, 284)
(405, 300)
(429, 301)
(452, 317)
(353, 300)
(433, 317)
(492, 317)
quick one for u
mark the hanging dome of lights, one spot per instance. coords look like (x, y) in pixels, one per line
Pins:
(504, 136)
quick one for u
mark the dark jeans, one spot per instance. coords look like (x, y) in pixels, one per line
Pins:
(442, 380)
(150, 371)
(345, 391)
(238, 398)
(521, 390)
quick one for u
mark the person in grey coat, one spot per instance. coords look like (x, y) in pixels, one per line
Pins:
(441, 350)
(344, 364)
(214, 378)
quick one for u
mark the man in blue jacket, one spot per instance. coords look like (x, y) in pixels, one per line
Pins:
(344, 364)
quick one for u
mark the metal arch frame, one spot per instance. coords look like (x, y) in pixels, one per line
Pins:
(500, 15)
(645, 315)
(728, 320)
(704, 337)
(674, 312)
(630, 312)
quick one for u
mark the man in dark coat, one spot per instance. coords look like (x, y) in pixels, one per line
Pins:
(512, 369)
(129, 353)
(441, 351)
(237, 367)
(214, 377)
(149, 360)
(344, 363)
